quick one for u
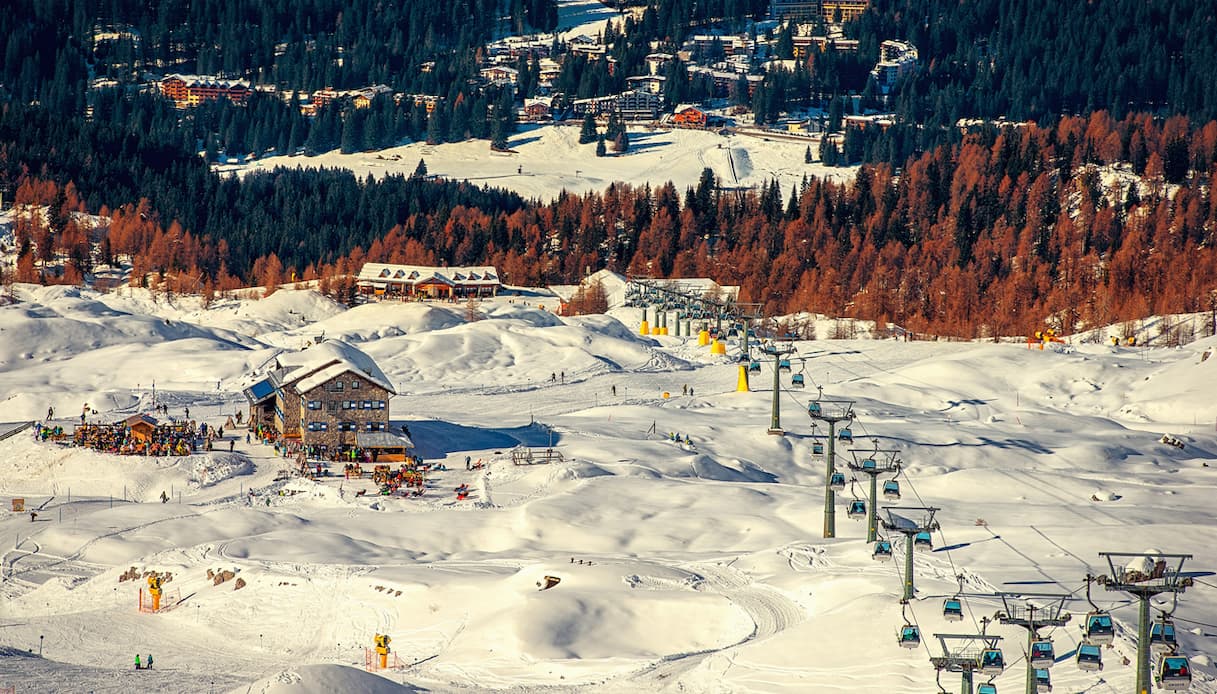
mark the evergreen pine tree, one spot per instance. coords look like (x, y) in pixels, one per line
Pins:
(807, 155)
(420, 171)
(621, 143)
(588, 132)
(600, 150)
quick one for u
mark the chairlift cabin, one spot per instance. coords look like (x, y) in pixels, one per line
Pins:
(1162, 636)
(1042, 654)
(797, 381)
(1089, 657)
(1174, 673)
(857, 509)
(952, 610)
(922, 542)
(836, 481)
(992, 662)
(910, 636)
(845, 435)
(883, 550)
(783, 365)
(1099, 629)
(754, 367)
(891, 490)
(986, 688)
(817, 448)
(1043, 681)
(814, 408)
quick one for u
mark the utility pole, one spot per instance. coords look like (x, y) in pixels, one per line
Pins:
(910, 522)
(874, 463)
(961, 654)
(777, 350)
(832, 412)
(1144, 579)
(1020, 612)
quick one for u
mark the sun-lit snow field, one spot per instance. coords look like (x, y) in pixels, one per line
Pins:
(683, 568)
(549, 159)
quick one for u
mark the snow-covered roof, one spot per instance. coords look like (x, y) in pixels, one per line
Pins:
(300, 367)
(474, 275)
(330, 372)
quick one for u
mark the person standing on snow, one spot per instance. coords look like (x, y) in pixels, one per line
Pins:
(137, 665)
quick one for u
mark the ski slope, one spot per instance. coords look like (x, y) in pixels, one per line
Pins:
(684, 568)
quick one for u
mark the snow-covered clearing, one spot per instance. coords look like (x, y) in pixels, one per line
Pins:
(683, 568)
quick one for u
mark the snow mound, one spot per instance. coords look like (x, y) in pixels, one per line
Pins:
(323, 679)
(207, 471)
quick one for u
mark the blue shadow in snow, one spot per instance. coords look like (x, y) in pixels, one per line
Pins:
(435, 439)
(961, 545)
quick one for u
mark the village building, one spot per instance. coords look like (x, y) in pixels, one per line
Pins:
(330, 397)
(191, 90)
(897, 59)
(689, 116)
(379, 281)
(536, 110)
(142, 426)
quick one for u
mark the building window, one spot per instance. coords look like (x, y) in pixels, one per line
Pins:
(380, 404)
(374, 426)
(346, 404)
(318, 426)
(354, 385)
(314, 404)
(331, 406)
(367, 404)
(348, 426)
(336, 386)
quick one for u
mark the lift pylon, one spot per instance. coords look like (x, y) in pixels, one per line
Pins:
(777, 349)
(832, 412)
(1145, 576)
(961, 653)
(910, 521)
(874, 463)
(1032, 611)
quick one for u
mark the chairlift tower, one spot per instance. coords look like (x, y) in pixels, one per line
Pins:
(961, 654)
(910, 522)
(874, 463)
(1019, 610)
(832, 412)
(776, 349)
(1144, 585)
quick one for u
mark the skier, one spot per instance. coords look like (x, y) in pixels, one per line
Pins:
(137, 665)
(148, 666)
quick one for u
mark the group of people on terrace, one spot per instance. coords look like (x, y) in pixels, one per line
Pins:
(119, 438)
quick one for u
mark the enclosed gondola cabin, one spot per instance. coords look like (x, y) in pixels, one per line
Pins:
(952, 610)
(783, 365)
(1042, 654)
(817, 448)
(1089, 657)
(891, 490)
(732, 332)
(814, 408)
(883, 550)
(1174, 673)
(797, 381)
(992, 662)
(922, 542)
(986, 688)
(857, 509)
(1162, 637)
(836, 481)
(754, 367)
(1099, 629)
(845, 435)
(1043, 681)
(910, 636)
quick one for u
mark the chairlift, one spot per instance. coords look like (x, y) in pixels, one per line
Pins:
(1162, 636)
(992, 662)
(857, 509)
(1042, 654)
(1043, 681)
(1089, 657)
(754, 367)
(845, 435)
(797, 381)
(910, 636)
(883, 550)
(836, 481)
(817, 448)
(1174, 673)
(922, 542)
(783, 365)
(1099, 629)
(986, 688)
(891, 490)
(952, 610)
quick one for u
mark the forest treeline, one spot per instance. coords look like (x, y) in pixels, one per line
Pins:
(1093, 220)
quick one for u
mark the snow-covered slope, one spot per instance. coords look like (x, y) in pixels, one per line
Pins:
(681, 567)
